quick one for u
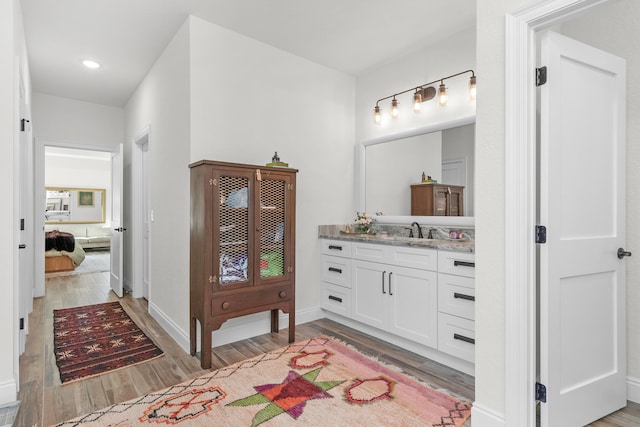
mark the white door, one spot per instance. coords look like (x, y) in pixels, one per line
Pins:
(582, 191)
(117, 228)
(454, 172)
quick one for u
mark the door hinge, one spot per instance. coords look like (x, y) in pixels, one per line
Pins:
(541, 76)
(541, 393)
(21, 323)
(290, 187)
(541, 234)
(23, 124)
(213, 182)
(21, 224)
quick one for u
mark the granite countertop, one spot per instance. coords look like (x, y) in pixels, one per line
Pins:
(456, 245)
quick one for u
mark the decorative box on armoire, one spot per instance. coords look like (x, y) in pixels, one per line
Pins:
(242, 250)
(437, 200)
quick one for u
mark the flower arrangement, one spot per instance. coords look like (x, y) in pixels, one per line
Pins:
(363, 222)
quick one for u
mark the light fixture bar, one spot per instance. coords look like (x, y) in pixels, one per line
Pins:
(425, 92)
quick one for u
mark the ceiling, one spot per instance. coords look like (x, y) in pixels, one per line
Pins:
(127, 36)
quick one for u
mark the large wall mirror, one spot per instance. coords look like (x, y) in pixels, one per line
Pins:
(389, 165)
(75, 205)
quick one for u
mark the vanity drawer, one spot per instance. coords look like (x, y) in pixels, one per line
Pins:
(423, 259)
(336, 248)
(456, 295)
(371, 252)
(336, 270)
(336, 299)
(456, 336)
(458, 263)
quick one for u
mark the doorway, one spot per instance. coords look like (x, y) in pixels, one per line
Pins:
(92, 169)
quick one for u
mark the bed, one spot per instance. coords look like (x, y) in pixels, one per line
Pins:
(62, 253)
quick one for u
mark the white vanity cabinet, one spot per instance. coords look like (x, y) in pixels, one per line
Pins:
(419, 298)
(395, 288)
(456, 304)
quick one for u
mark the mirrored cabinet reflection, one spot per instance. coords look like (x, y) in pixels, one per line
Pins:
(75, 205)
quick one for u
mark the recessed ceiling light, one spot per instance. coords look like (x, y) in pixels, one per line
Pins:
(90, 64)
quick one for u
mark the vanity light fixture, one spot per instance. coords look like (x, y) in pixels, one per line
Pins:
(394, 108)
(422, 93)
(442, 95)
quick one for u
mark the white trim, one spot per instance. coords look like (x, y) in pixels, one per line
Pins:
(8, 391)
(520, 192)
(481, 416)
(633, 389)
(254, 325)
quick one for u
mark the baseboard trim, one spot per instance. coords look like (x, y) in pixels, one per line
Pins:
(633, 389)
(235, 329)
(481, 416)
(8, 391)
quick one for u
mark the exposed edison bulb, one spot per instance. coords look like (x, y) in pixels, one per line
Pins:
(377, 118)
(442, 95)
(417, 101)
(472, 88)
(394, 108)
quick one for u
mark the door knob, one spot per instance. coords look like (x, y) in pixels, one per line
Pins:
(622, 253)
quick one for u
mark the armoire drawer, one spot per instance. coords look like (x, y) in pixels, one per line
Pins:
(234, 302)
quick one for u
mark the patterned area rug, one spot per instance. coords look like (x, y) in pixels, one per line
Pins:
(317, 382)
(95, 339)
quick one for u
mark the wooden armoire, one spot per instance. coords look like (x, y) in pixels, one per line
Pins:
(242, 250)
(437, 200)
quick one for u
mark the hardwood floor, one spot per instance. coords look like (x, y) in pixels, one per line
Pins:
(45, 401)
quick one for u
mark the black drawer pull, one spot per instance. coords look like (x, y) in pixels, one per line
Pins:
(464, 296)
(337, 248)
(335, 298)
(457, 263)
(463, 338)
(335, 270)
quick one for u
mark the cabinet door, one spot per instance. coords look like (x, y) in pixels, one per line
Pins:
(369, 293)
(440, 201)
(275, 226)
(413, 302)
(232, 222)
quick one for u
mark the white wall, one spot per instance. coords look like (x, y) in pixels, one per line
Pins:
(392, 169)
(78, 122)
(79, 169)
(162, 102)
(450, 56)
(248, 100)
(215, 94)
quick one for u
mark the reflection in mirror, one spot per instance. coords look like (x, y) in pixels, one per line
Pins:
(389, 166)
(75, 205)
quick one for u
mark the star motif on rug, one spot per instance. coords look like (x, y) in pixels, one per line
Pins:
(289, 397)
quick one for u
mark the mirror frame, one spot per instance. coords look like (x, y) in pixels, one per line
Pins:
(102, 194)
(463, 221)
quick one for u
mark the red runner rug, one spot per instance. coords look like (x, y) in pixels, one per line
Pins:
(317, 382)
(94, 339)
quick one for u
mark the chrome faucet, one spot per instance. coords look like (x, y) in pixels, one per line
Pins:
(420, 236)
